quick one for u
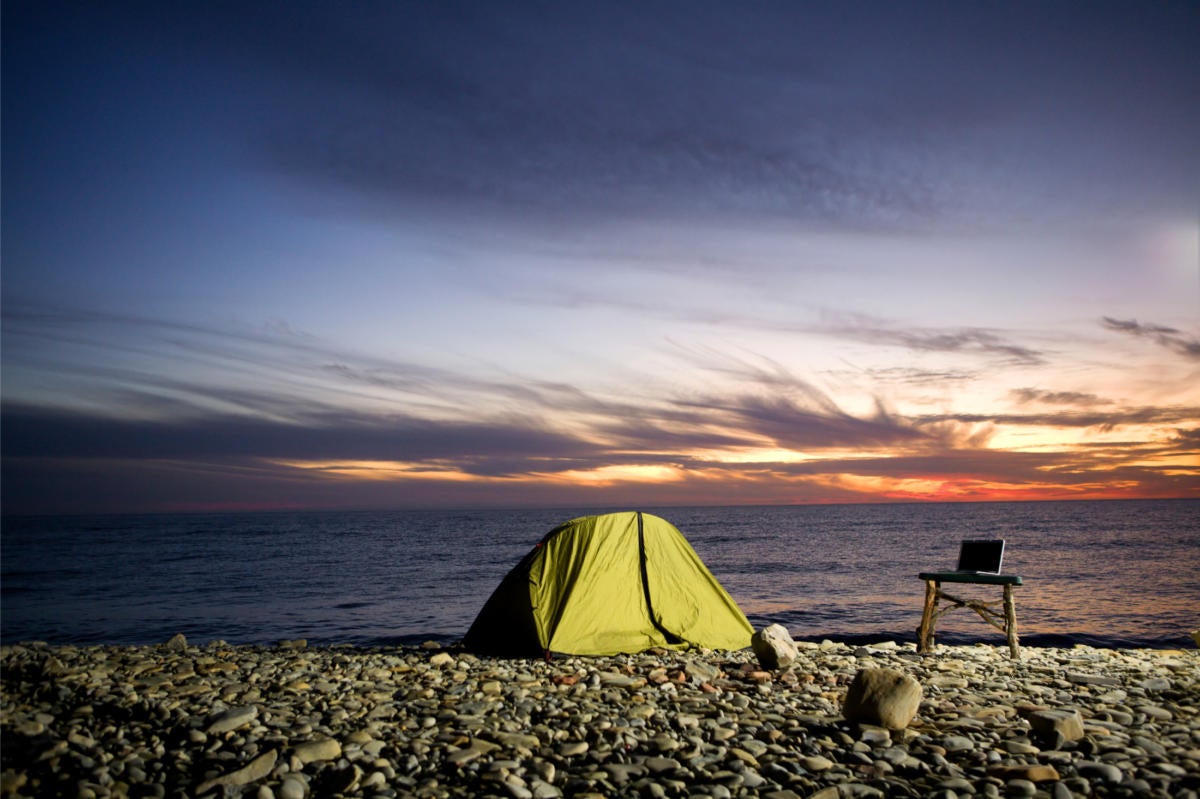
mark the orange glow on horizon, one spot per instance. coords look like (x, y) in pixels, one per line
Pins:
(1107, 468)
(617, 473)
(377, 470)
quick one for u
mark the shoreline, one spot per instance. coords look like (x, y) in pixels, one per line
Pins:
(292, 721)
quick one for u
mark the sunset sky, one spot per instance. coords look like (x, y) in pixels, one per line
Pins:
(610, 254)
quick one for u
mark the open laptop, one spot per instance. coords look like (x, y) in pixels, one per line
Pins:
(981, 556)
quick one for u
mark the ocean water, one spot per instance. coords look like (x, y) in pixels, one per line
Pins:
(1117, 573)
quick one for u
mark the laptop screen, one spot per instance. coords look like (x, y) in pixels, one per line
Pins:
(981, 556)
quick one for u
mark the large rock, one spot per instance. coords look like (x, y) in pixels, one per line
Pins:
(1053, 728)
(774, 647)
(884, 697)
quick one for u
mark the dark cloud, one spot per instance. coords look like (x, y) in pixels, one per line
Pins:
(307, 377)
(789, 424)
(1168, 337)
(1187, 439)
(30, 432)
(860, 115)
(577, 110)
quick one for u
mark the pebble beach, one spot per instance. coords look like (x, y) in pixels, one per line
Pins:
(294, 721)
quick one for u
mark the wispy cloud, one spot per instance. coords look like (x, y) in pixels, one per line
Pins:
(1169, 337)
(1105, 420)
(965, 340)
(1075, 398)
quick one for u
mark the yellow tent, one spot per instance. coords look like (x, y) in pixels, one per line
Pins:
(602, 585)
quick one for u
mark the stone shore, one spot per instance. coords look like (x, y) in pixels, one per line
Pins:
(292, 721)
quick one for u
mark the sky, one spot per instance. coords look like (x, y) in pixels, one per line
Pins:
(613, 254)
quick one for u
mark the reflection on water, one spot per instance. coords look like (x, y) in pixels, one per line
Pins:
(846, 572)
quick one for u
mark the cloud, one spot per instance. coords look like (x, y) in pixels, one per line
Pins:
(856, 327)
(1187, 439)
(915, 376)
(997, 345)
(1105, 420)
(575, 119)
(281, 409)
(788, 424)
(962, 340)
(1035, 395)
(621, 110)
(30, 432)
(1170, 338)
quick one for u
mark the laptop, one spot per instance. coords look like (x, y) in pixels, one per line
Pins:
(981, 556)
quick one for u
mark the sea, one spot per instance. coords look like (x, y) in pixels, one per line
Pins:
(1103, 573)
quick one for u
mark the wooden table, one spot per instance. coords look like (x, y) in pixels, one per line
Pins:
(1005, 621)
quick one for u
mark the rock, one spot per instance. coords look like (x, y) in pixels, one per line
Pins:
(517, 740)
(232, 719)
(53, 667)
(133, 721)
(1155, 684)
(342, 780)
(1196, 636)
(957, 743)
(1155, 712)
(293, 787)
(1019, 787)
(31, 728)
(621, 681)
(255, 770)
(1056, 726)
(11, 782)
(314, 751)
(1092, 679)
(816, 763)
(476, 749)
(774, 647)
(698, 671)
(1099, 771)
(178, 643)
(293, 643)
(442, 659)
(518, 791)
(884, 697)
(660, 765)
(1030, 773)
(572, 748)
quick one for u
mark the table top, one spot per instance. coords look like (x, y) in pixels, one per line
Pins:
(971, 577)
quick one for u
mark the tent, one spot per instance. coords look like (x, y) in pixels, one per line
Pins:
(602, 585)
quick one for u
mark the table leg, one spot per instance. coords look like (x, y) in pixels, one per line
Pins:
(1010, 622)
(928, 618)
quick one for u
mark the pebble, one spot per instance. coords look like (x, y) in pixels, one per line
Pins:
(295, 721)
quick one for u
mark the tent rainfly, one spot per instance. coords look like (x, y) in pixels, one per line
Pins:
(605, 585)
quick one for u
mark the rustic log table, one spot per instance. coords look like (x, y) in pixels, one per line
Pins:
(1005, 621)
